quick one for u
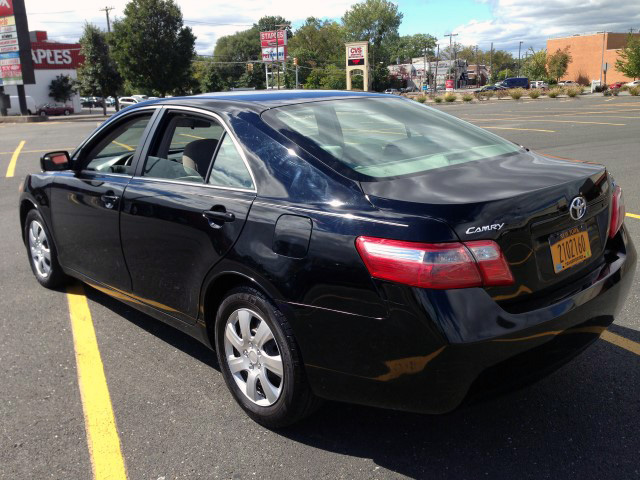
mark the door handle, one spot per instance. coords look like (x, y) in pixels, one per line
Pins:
(219, 216)
(109, 201)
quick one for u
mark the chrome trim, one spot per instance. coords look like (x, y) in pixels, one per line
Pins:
(228, 131)
(195, 184)
(104, 124)
(347, 216)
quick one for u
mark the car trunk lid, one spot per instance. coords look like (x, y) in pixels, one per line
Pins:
(521, 200)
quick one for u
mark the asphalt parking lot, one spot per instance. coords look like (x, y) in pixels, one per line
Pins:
(175, 418)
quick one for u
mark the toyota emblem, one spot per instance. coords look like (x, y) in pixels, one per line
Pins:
(578, 208)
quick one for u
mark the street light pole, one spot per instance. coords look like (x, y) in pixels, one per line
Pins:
(451, 35)
(602, 60)
(278, 27)
(519, 63)
(435, 77)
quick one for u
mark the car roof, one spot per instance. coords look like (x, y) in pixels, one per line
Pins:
(259, 99)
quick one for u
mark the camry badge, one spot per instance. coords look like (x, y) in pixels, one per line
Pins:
(484, 228)
(578, 208)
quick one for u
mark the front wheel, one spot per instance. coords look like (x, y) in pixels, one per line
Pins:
(260, 360)
(67, 112)
(42, 253)
(43, 114)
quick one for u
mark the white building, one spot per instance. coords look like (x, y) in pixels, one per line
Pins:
(50, 59)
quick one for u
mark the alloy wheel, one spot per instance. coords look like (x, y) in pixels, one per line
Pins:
(40, 249)
(253, 357)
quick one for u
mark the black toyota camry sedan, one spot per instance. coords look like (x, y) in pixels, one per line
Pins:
(346, 246)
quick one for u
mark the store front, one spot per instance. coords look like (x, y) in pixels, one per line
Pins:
(50, 59)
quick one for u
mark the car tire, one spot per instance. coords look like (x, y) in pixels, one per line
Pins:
(39, 246)
(43, 114)
(67, 112)
(253, 384)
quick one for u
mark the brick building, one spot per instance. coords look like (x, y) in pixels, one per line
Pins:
(586, 51)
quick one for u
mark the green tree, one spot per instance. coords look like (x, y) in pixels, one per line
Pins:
(558, 63)
(98, 74)
(62, 88)
(629, 61)
(152, 47)
(535, 65)
(376, 21)
(316, 43)
(407, 47)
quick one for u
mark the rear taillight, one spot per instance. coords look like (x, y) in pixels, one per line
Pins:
(435, 265)
(618, 211)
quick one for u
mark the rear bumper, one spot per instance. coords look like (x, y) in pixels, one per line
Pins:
(433, 349)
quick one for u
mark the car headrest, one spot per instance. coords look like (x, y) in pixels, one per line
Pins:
(197, 154)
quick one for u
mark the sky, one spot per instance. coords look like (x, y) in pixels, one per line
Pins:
(477, 22)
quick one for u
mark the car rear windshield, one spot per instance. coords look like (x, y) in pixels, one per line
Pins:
(384, 137)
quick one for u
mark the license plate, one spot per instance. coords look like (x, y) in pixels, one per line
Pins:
(569, 248)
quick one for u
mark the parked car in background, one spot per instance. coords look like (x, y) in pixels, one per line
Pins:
(399, 258)
(54, 109)
(15, 106)
(568, 83)
(91, 102)
(392, 91)
(491, 88)
(634, 83)
(540, 84)
(128, 101)
(515, 82)
(616, 85)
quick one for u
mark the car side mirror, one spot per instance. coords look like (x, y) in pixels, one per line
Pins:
(55, 161)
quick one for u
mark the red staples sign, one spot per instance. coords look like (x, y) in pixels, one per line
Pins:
(6, 7)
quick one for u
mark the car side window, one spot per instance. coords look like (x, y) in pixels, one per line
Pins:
(229, 169)
(184, 148)
(114, 152)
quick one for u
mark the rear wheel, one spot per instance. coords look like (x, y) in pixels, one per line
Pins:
(260, 360)
(42, 253)
(67, 112)
(43, 113)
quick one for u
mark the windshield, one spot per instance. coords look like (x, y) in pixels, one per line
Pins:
(384, 137)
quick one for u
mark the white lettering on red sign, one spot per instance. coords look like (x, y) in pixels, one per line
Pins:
(356, 52)
(51, 57)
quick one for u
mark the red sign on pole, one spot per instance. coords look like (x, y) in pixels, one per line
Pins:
(268, 39)
(448, 85)
(6, 7)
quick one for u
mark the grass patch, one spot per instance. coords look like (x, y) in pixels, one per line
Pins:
(534, 93)
(450, 97)
(467, 97)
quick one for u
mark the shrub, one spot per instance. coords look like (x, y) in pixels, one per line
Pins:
(624, 88)
(601, 88)
(502, 93)
(574, 91)
(635, 91)
(420, 99)
(467, 97)
(450, 97)
(488, 94)
(516, 93)
(534, 93)
(438, 99)
(615, 91)
(554, 92)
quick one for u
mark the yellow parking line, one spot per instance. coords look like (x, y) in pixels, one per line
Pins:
(522, 129)
(633, 215)
(123, 145)
(40, 151)
(102, 436)
(192, 136)
(621, 342)
(11, 169)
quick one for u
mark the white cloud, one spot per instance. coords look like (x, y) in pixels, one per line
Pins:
(64, 21)
(533, 22)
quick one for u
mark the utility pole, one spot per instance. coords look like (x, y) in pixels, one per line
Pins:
(435, 77)
(451, 35)
(477, 68)
(602, 60)
(491, 60)
(278, 27)
(424, 71)
(519, 63)
(107, 10)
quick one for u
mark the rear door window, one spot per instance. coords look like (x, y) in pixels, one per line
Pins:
(184, 149)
